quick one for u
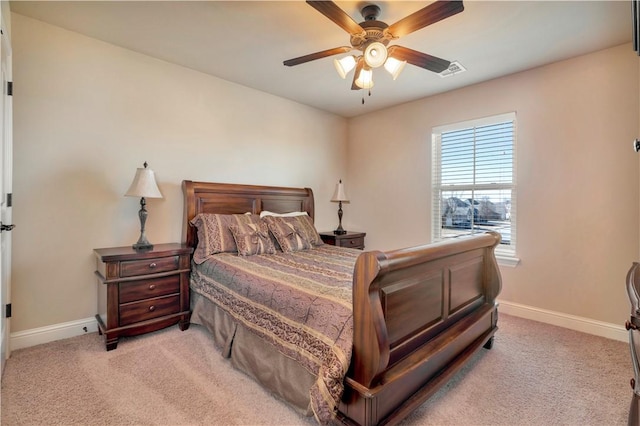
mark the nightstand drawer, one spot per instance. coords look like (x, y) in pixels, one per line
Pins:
(357, 242)
(151, 266)
(145, 289)
(349, 239)
(147, 309)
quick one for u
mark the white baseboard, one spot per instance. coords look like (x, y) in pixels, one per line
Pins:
(37, 336)
(572, 322)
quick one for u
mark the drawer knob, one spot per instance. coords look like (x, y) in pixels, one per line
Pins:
(152, 286)
(153, 265)
(152, 308)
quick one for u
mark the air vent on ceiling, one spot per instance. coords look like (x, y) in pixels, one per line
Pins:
(455, 67)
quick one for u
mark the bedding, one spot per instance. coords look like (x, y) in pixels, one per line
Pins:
(299, 301)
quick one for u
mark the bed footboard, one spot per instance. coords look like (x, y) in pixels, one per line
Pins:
(419, 314)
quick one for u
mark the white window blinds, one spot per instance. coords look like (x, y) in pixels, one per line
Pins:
(474, 179)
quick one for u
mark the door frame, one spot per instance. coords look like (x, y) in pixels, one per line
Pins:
(6, 183)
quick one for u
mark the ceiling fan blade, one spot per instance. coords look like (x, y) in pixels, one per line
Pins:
(431, 14)
(419, 59)
(317, 55)
(337, 15)
(359, 67)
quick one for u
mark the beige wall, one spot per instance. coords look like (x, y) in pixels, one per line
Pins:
(578, 189)
(87, 114)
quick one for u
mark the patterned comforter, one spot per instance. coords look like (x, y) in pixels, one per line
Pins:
(299, 301)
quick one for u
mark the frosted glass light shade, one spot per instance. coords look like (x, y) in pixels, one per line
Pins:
(144, 184)
(344, 65)
(375, 54)
(394, 66)
(365, 79)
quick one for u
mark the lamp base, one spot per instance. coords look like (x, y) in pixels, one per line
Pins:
(339, 230)
(142, 244)
(142, 247)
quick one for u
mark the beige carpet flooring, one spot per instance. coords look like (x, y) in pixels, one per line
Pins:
(536, 374)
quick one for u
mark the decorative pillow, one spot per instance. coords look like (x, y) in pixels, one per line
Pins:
(252, 238)
(214, 235)
(305, 223)
(292, 233)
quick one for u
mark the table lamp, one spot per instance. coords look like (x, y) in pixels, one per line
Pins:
(143, 186)
(338, 197)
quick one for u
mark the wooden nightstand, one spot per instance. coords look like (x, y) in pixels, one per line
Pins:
(142, 291)
(350, 239)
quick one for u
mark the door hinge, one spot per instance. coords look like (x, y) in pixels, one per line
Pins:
(7, 310)
(10, 88)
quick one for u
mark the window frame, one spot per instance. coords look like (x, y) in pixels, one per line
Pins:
(506, 254)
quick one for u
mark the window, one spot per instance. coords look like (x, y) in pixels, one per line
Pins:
(474, 185)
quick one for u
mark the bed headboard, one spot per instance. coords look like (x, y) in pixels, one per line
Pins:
(227, 198)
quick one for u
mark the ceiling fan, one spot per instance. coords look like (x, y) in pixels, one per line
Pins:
(372, 37)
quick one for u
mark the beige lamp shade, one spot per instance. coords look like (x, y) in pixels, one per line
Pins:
(144, 184)
(339, 194)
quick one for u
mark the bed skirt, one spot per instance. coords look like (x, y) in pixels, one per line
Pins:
(259, 359)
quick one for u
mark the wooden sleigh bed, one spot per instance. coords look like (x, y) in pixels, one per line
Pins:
(419, 314)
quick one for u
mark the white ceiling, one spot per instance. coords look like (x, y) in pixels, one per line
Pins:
(246, 41)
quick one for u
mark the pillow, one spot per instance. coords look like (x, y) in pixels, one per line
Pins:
(293, 233)
(306, 224)
(289, 236)
(290, 214)
(214, 235)
(252, 238)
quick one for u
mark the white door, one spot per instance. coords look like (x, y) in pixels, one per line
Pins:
(6, 159)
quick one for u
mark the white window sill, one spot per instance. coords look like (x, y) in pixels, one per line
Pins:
(506, 259)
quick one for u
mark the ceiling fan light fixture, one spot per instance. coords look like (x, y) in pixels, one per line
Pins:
(344, 65)
(371, 37)
(365, 79)
(375, 54)
(394, 66)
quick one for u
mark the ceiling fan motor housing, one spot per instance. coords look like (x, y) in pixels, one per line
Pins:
(373, 31)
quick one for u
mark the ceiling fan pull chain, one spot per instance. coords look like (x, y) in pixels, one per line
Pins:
(363, 95)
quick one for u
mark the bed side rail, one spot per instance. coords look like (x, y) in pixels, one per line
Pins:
(422, 290)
